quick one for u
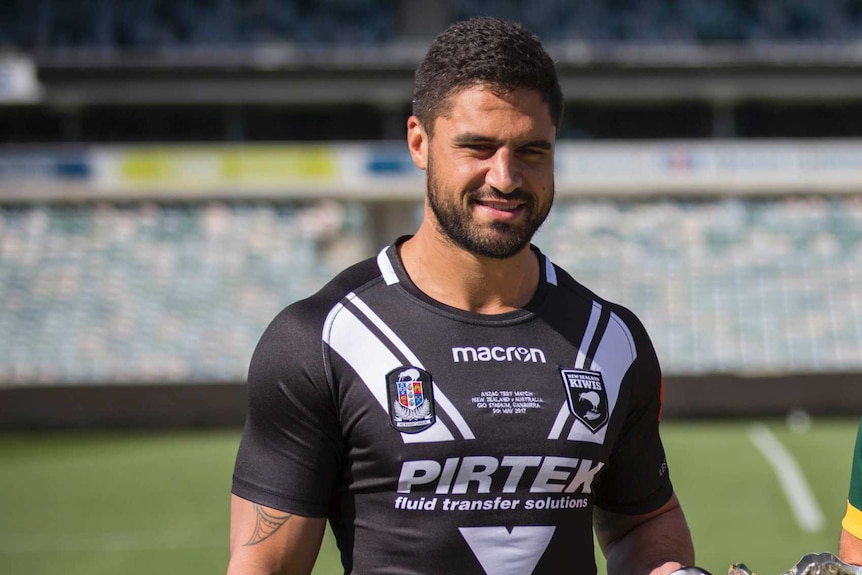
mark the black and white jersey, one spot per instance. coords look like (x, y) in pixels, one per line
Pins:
(441, 441)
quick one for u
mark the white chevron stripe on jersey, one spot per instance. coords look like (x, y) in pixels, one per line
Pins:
(559, 422)
(386, 269)
(614, 356)
(589, 334)
(550, 272)
(439, 397)
(371, 360)
(346, 335)
(503, 553)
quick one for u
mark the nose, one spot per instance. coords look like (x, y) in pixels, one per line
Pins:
(504, 173)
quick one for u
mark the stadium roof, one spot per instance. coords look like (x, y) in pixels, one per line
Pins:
(383, 75)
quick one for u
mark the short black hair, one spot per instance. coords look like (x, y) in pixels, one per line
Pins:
(484, 51)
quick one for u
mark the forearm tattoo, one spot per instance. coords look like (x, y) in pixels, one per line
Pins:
(266, 524)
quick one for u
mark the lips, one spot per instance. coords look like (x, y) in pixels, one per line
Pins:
(501, 211)
(501, 206)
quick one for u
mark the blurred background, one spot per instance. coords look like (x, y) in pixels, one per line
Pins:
(175, 172)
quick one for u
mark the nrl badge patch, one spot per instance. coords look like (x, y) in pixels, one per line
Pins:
(585, 392)
(411, 399)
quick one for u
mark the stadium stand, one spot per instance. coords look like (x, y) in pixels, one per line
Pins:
(727, 285)
(153, 293)
(161, 24)
(171, 288)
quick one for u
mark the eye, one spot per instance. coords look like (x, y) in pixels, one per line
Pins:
(533, 153)
(479, 149)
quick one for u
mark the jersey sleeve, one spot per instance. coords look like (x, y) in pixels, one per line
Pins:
(852, 521)
(290, 451)
(636, 479)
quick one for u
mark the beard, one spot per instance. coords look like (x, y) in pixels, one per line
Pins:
(498, 240)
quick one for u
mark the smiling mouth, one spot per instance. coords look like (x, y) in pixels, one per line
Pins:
(501, 206)
(500, 212)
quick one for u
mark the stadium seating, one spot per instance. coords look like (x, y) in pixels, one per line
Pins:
(151, 292)
(163, 24)
(727, 285)
(180, 292)
(160, 293)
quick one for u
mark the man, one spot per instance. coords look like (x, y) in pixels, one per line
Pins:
(458, 404)
(850, 544)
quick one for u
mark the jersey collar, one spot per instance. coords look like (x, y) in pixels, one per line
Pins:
(393, 272)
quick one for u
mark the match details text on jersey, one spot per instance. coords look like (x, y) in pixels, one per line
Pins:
(507, 402)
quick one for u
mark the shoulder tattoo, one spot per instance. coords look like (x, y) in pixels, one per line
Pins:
(266, 523)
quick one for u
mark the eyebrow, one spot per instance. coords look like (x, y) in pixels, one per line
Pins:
(471, 138)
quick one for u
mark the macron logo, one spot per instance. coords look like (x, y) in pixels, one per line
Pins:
(497, 353)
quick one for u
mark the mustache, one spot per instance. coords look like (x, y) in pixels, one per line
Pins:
(490, 194)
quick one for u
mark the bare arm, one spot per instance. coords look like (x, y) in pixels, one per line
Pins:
(850, 548)
(655, 543)
(266, 541)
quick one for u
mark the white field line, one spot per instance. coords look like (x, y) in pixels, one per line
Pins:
(103, 542)
(808, 515)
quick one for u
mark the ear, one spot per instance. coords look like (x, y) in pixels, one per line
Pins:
(417, 142)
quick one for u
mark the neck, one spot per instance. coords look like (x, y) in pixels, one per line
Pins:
(463, 280)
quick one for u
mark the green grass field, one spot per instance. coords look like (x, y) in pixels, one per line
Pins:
(157, 503)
